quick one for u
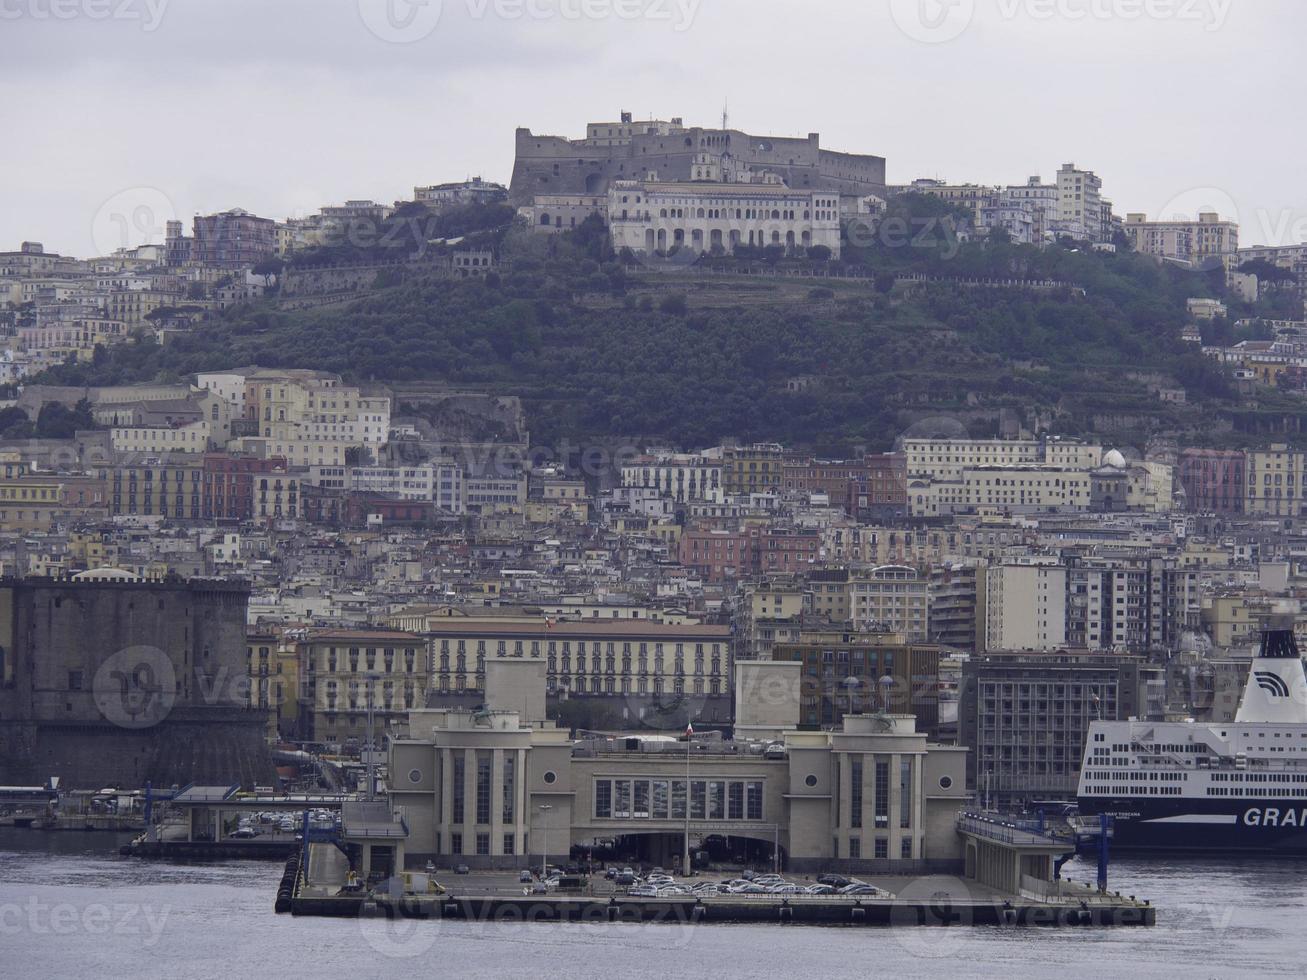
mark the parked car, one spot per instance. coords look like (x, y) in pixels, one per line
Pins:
(524, 877)
(611, 873)
(836, 881)
(243, 833)
(462, 869)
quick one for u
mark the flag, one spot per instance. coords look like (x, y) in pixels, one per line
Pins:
(689, 730)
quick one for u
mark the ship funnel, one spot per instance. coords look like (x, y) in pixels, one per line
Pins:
(1276, 692)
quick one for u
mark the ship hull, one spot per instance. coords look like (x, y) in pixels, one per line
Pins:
(1217, 826)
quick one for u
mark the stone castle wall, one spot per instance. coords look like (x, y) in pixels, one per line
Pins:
(113, 681)
(556, 165)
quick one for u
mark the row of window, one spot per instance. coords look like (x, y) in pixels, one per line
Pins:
(665, 799)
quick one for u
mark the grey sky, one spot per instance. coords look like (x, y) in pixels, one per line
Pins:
(280, 106)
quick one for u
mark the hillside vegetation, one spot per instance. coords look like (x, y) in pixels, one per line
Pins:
(602, 346)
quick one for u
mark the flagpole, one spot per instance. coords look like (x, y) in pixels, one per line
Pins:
(689, 735)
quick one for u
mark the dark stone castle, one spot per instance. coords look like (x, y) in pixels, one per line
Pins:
(107, 680)
(667, 151)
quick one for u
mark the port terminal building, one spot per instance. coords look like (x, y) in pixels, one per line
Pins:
(501, 787)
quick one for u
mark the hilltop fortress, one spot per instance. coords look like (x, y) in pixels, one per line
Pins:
(669, 151)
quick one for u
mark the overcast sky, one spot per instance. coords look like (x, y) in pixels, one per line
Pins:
(117, 112)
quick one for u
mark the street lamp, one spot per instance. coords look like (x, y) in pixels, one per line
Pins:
(544, 808)
(851, 685)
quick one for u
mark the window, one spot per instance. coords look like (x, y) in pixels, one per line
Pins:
(905, 793)
(460, 793)
(855, 847)
(641, 798)
(622, 798)
(882, 847)
(882, 794)
(509, 791)
(455, 843)
(508, 843)
(753, 799)
(678, 799)
(905, 849)
(661, 797)
(603, 799)
(698, 799)
(483, 789)
(735, 802)
(483, 844)
(855, 794)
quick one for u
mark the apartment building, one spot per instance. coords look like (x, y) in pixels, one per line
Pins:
(891, 598)
(681, 476)
(615, 658)
(1026, 606)
(1025, 718)
(1213, 480)
(851, 673)
(345, 671)
(1182, 240)
(946, 459)
(1277, 481)
(1080, 203)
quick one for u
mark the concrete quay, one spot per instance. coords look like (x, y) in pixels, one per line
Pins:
(938, 901)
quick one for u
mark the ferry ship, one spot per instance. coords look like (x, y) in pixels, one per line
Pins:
(1229, 788)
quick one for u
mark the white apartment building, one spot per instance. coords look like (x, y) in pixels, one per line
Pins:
(1026, 489)
(1038, 200)
(947, 459)
(309, 417)
(681, 476)
(1025, 606)
(194, 437)
(488, 494)
(649, 216)
(1186, 241)
(894, 596)
(438, 481)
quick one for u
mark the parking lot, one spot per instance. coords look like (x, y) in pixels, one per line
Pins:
(664, 885)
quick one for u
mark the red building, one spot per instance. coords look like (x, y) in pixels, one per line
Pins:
(720, 556)
(228, 488)
(874, 482)
(1213, 480)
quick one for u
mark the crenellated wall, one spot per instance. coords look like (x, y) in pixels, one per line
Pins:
(557, 165)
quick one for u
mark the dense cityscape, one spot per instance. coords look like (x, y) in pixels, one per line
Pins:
(675, 525)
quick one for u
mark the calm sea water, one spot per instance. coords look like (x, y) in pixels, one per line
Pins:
(71, 907)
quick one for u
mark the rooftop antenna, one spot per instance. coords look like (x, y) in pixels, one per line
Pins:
(726, 114)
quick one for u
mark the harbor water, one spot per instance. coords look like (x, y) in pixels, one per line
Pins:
(70, 906)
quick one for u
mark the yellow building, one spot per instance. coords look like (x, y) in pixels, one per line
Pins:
(158, 489)
(273, 663)
(752, 469)
(1276, 484)
(345, 670)
(132, 306)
